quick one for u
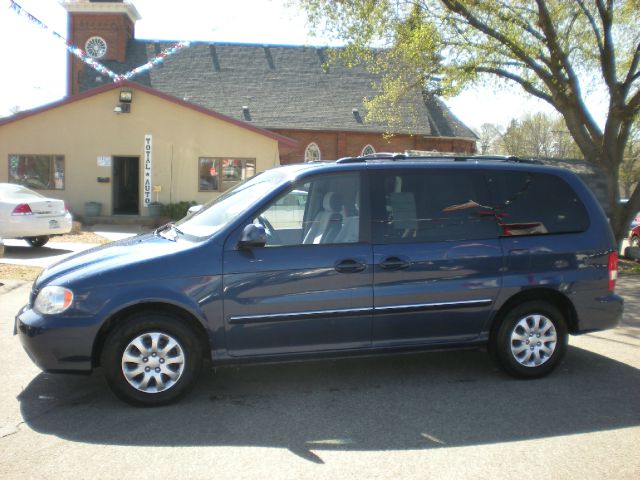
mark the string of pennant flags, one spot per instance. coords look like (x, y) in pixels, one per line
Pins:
(97, 66)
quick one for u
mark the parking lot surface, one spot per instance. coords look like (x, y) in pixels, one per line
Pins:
(436, 415)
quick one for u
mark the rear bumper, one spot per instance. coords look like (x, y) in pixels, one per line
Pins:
(35, 226)
(599, 313)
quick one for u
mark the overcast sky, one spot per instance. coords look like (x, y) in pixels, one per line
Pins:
(34, 62)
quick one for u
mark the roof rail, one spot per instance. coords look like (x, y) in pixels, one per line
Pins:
(373, 156)
(438, 158)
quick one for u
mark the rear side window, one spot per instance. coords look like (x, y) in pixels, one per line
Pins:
(528, 203)
(430, 206)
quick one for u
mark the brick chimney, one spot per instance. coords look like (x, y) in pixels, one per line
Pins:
(102, 29)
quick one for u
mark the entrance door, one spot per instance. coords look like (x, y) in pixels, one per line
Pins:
(126, 185)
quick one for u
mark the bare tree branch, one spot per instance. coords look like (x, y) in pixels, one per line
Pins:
(457, 7)
(633, 74)
(528, 86)
(607, 57)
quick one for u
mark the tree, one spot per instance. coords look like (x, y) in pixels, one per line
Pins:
(630, 167)
(538, 135)
(552, 49)
(489, 138)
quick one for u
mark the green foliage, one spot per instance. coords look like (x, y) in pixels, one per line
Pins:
(176, 211)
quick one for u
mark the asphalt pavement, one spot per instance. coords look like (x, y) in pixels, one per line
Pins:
(437, 415)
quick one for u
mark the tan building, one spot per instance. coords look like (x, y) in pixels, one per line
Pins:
(208, 116)
(126, 146)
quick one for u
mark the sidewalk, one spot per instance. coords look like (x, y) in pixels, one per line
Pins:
(118, 232)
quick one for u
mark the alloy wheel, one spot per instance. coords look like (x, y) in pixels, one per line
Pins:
(153, 362)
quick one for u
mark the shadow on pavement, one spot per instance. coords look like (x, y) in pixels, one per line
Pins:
(29, 253)
(435, 400)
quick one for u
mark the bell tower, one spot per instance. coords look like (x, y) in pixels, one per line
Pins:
(102, 29)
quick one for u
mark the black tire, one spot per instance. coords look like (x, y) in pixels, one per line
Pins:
(513, 354)
(37, 241)
(144, 325)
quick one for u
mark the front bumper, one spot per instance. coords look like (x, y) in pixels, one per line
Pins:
(55, 343)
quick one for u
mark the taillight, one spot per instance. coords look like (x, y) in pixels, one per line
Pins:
(66, 207)
(613, 270)
(22, 209)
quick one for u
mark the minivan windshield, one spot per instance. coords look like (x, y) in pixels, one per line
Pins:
(229, 206)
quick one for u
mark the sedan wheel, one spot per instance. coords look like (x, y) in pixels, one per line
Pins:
(37, 241)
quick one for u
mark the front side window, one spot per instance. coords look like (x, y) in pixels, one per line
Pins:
(430, 206)
(218, 174)
(40, 172)
(323, 210)
(312, 153)
(224, 209)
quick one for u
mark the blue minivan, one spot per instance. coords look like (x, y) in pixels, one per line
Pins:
(384, 254)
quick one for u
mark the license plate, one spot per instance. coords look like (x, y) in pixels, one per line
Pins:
(54, 224)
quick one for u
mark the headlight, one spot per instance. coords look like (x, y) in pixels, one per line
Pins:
(52, 300)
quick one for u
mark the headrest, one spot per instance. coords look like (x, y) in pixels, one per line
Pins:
(332, 202)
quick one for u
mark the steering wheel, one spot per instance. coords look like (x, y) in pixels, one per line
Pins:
(272, 236)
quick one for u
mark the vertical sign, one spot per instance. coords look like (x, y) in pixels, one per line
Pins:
(148, 160)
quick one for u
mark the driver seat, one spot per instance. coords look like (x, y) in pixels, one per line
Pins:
(327, 222)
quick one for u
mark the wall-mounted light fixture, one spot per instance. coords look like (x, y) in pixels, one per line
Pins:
(126, 96)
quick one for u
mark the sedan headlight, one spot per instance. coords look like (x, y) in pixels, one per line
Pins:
(52, 300)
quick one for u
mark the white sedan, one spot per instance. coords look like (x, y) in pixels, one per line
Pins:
(28, 215)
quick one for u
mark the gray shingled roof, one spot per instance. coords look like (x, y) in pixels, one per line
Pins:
(284, 87)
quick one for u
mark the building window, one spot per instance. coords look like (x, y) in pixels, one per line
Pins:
(40, 172)
(312, 153)
(368, 150)
(217, 174)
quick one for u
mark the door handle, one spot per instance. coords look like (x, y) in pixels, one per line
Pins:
(350, 266)
(395, 263)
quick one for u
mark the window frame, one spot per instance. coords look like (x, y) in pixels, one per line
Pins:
(220, 182)
(53, 158)
(310, 146)
(368, 145)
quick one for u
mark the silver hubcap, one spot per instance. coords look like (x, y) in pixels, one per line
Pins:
(533, 340)
(153, 362)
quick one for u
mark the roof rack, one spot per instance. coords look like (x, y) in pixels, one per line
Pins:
(437, 158)
(373, 156)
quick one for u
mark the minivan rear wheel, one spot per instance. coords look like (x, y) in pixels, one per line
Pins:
(531, 340)
(151, 359)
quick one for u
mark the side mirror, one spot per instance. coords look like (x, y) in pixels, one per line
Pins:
(253, 236)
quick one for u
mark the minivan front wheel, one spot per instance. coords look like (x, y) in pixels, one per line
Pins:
(531, 340)
(151, 359)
